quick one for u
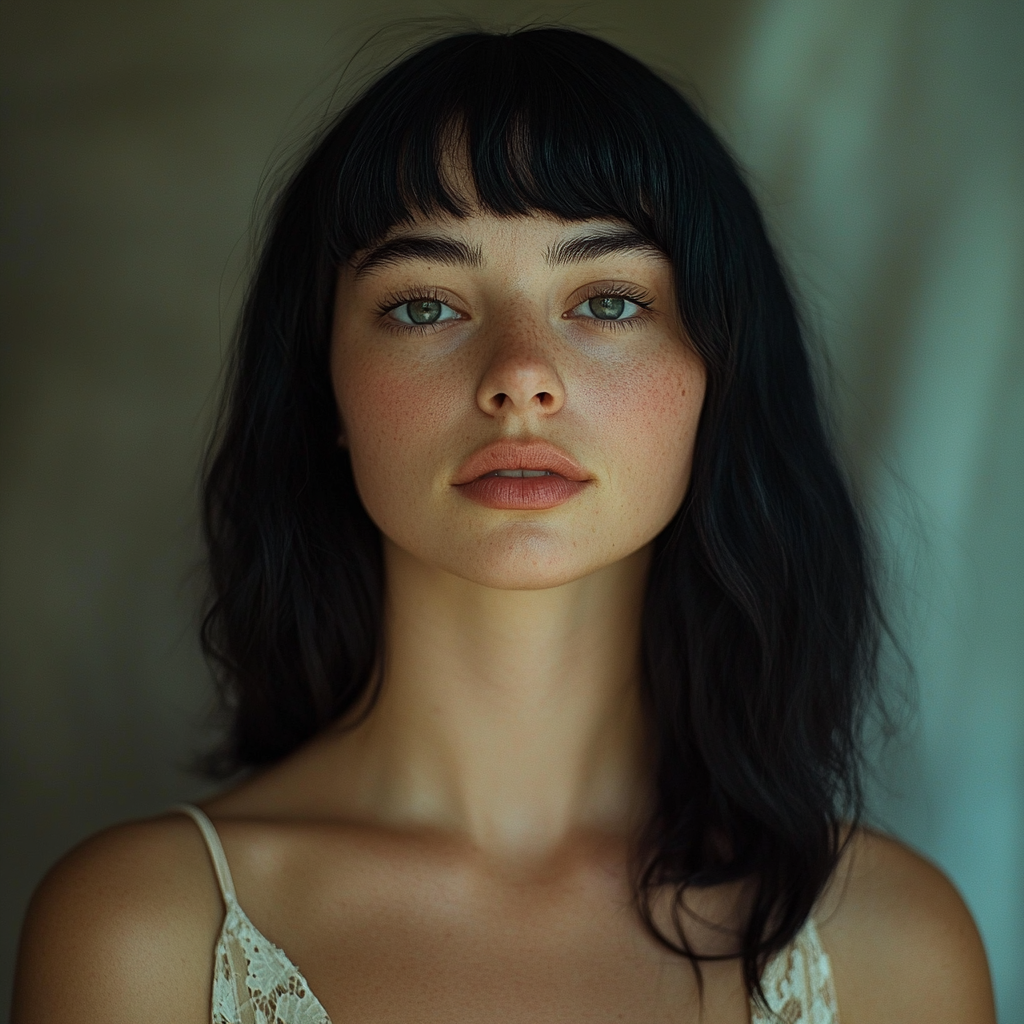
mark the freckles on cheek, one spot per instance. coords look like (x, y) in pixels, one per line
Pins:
(389, 414)
(649, 420)
(654, 409)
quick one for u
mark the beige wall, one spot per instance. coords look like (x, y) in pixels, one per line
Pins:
(885, 138)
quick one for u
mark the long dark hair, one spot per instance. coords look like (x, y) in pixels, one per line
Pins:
(761, 622)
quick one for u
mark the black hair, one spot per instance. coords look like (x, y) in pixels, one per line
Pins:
(761, 622)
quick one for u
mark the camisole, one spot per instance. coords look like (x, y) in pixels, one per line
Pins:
(254, 982)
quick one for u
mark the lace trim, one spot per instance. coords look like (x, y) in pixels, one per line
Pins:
(254, 982)
(798, 984)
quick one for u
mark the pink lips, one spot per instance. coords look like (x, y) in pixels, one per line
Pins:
(479, 480)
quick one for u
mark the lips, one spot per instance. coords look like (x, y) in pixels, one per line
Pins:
(530, 475)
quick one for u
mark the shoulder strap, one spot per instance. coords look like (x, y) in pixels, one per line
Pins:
(213, 845)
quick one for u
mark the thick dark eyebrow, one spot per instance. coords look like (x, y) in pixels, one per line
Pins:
(432, 248)
(602, 243)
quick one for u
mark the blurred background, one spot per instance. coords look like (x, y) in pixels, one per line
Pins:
(886, 141)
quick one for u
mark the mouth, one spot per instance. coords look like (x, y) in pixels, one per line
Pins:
(524, 475)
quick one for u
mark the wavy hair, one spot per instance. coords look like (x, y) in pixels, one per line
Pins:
(761, 623)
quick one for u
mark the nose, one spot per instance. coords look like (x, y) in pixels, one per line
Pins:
(520, 379)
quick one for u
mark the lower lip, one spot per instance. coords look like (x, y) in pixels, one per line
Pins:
(521, 492)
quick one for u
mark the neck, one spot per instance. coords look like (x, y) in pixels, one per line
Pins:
(510, 716)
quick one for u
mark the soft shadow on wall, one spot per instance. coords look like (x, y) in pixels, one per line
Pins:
(885, 141)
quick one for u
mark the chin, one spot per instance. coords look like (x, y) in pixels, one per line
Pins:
(521, 558)
(506, 577)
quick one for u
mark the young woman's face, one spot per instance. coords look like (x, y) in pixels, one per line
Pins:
(518, 395)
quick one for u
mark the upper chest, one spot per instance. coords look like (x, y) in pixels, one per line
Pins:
(388, 929)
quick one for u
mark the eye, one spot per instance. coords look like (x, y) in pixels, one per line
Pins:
(607, 307)
(420, 312)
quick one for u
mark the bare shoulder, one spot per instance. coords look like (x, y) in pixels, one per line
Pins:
(122, 929)
(902, 942)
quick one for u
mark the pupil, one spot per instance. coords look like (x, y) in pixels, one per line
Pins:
(424, 311)
(607, 307)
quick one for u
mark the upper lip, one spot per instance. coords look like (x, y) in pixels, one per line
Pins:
(507, 454)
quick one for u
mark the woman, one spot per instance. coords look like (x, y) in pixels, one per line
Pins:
(542, 612)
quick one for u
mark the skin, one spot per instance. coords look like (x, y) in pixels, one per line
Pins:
(462, 855)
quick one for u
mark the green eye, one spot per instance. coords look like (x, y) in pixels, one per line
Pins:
(421, 312)
(607, 307)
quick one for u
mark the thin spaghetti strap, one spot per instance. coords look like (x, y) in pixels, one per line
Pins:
(213, 844)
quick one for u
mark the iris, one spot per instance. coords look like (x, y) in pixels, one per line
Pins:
(607, 307)
(425, 311)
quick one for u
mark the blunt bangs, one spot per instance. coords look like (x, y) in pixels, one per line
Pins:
(540, 136)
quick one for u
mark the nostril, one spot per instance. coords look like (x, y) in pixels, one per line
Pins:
(544, 397)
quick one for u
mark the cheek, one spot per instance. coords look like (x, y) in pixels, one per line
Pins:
(392, 421)
(650, 417)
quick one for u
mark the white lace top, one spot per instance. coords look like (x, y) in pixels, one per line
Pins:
(254, 982)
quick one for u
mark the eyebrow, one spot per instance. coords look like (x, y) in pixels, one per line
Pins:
(602, 243)
(454, 253)
(429, 248)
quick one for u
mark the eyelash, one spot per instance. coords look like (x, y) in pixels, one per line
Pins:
(618, 291)
(393, 300)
